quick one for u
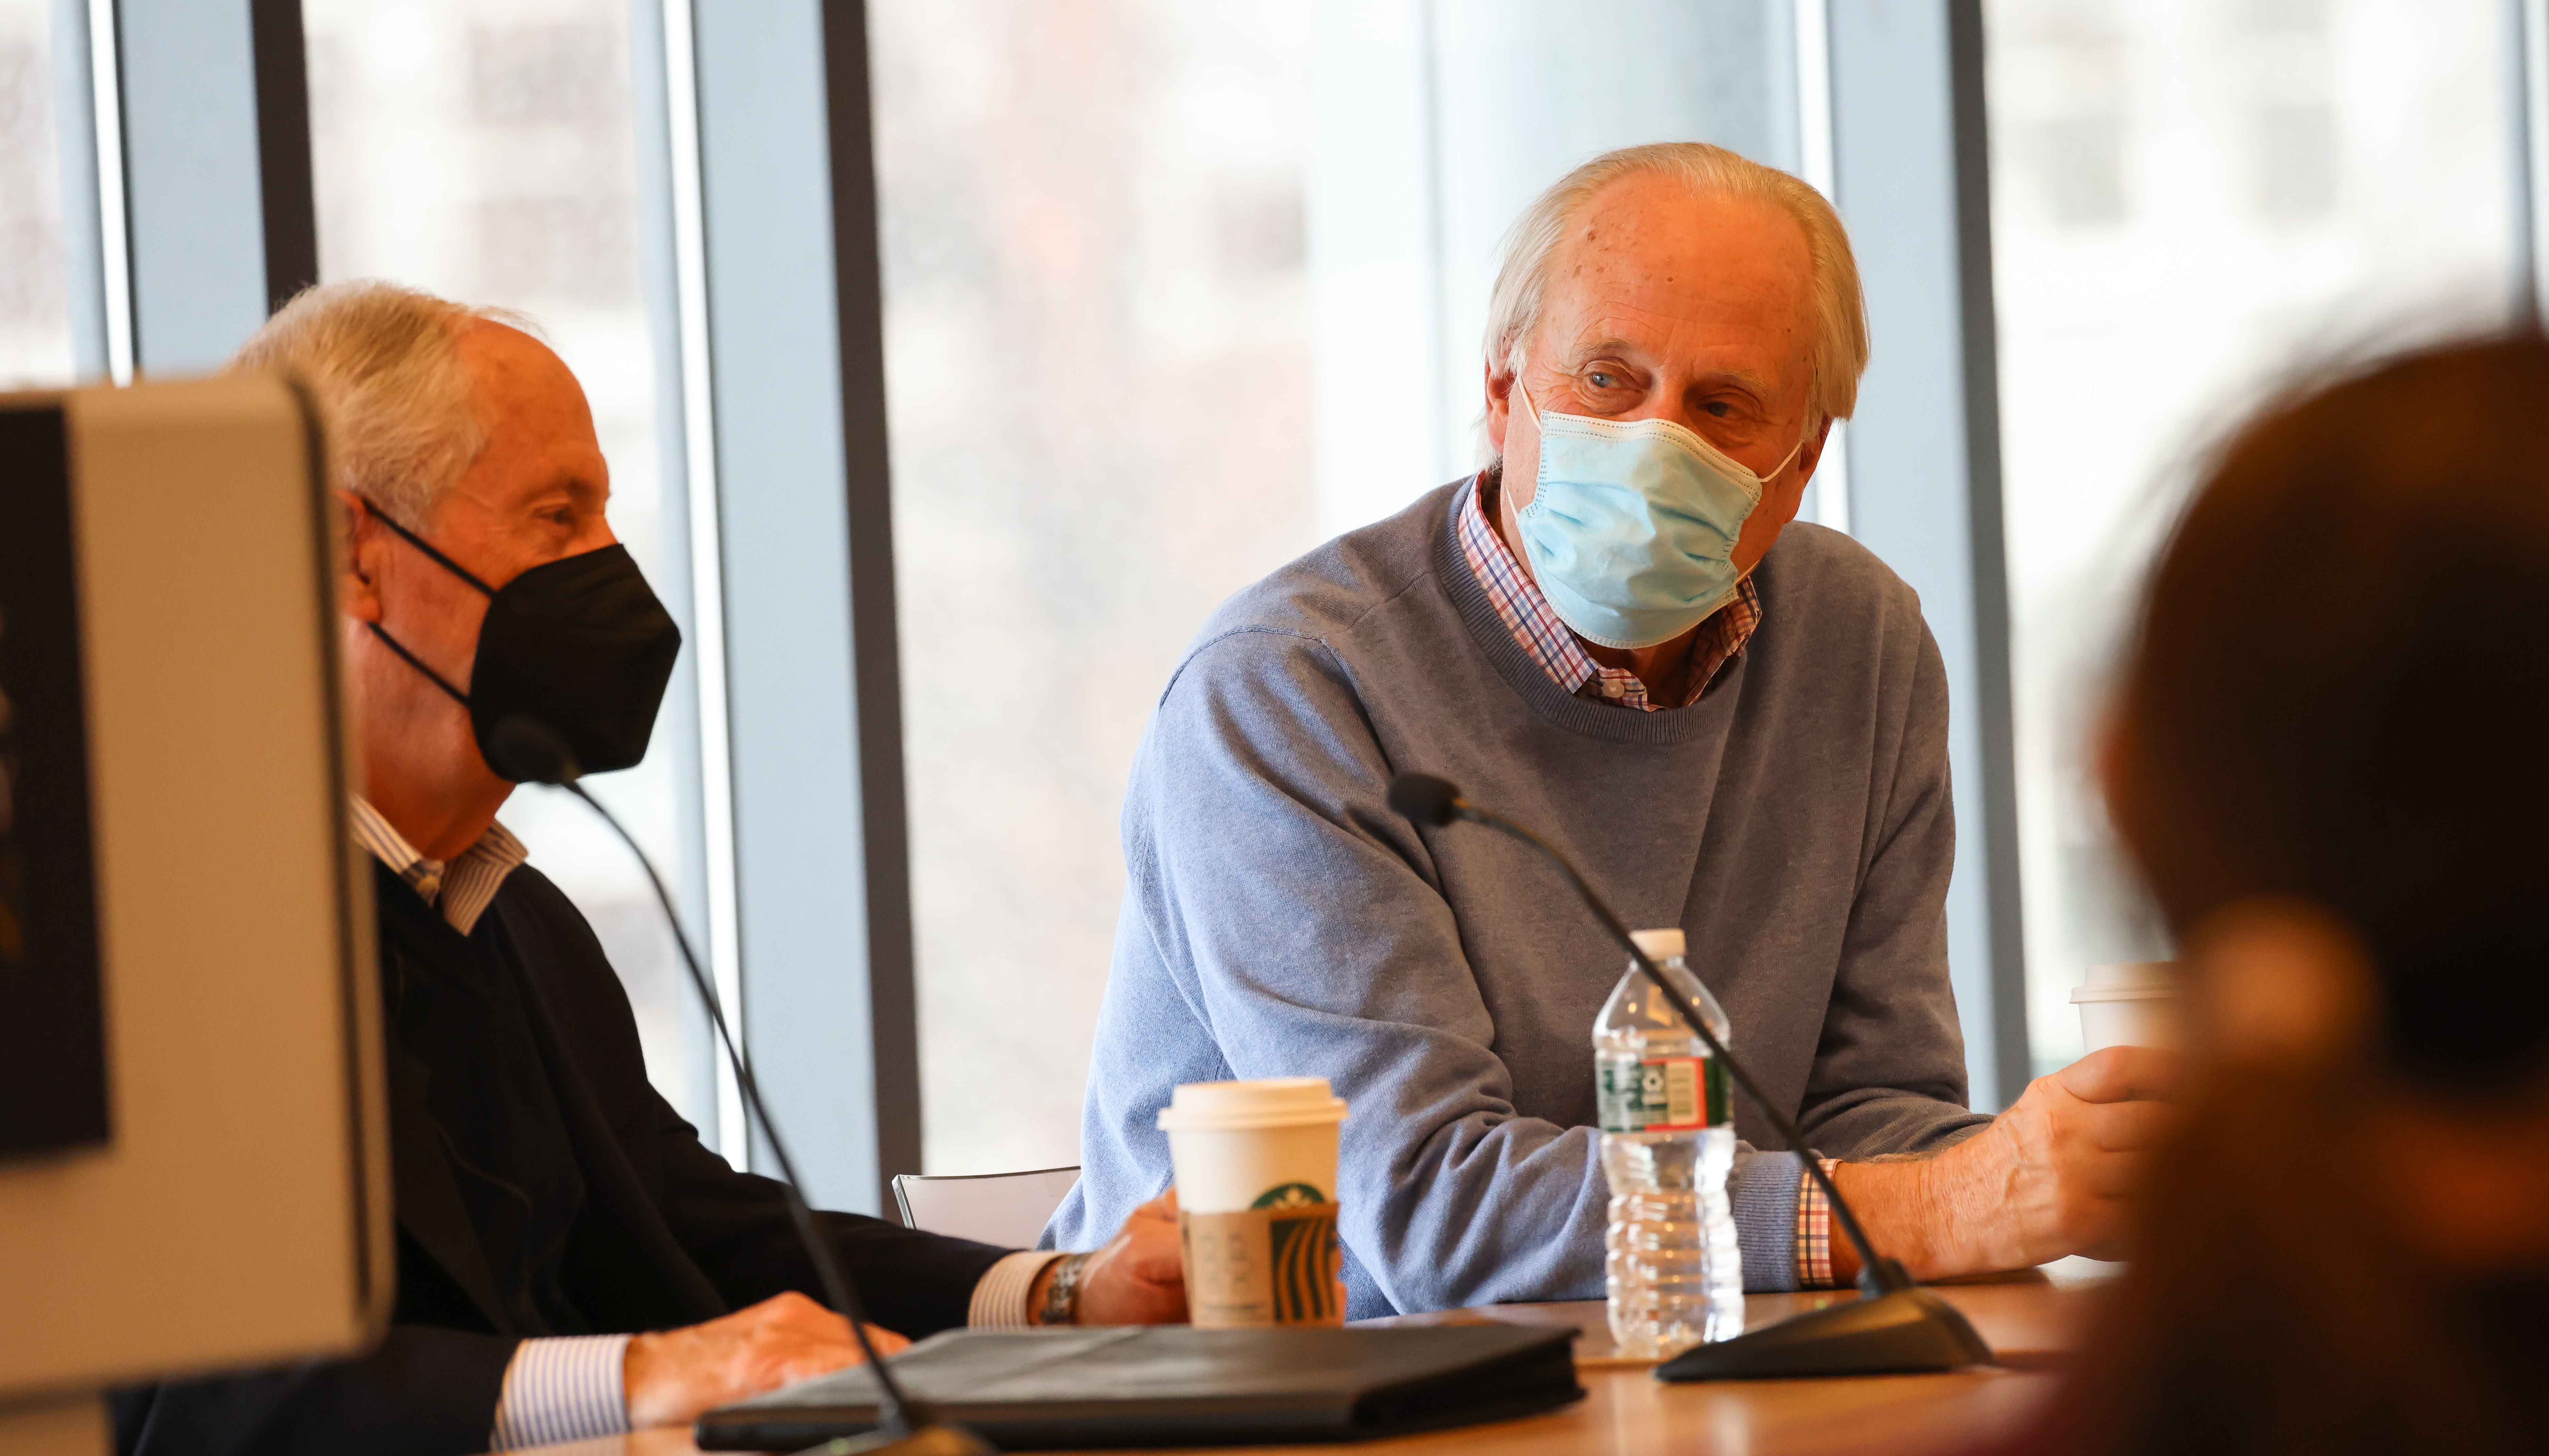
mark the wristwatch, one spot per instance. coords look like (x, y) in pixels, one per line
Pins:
(1062, 1296)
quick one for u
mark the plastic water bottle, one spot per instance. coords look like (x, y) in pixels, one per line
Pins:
(1674, 1272)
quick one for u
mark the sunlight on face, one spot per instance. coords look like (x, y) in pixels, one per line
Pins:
(1692, 309)
(539, 490)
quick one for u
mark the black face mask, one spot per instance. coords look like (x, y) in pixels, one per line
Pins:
(571, 665)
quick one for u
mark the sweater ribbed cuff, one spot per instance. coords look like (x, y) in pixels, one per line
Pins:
(1764, 1199)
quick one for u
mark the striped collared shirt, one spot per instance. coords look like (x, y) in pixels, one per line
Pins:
(461, 887)
(1535, 627)
(574, 1387)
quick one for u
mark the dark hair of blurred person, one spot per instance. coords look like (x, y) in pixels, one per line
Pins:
(2329, 757)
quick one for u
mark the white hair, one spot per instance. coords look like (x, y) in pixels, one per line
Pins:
(1840, 323)
(382, 362)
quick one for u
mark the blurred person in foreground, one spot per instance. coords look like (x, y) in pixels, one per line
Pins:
(571, 1260)
(2330, 761)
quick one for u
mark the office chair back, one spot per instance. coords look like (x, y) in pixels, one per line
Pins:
(1005, 1209)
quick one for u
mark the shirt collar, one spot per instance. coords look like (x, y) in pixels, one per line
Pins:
(1517, 599)
(462, 887)
(1535, 626)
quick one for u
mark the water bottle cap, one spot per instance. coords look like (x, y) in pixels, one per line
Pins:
(1659, 944)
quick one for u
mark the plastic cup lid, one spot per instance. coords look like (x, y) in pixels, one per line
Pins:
(2086, 995)
(2133, 973)
(2129, 980)
(1268, 1102)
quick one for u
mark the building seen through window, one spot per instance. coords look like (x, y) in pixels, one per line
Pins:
(2192, 201)
(1099, 376)
(490, 151)
(35, 346)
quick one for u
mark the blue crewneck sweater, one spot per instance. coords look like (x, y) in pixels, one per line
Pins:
(1279, 921)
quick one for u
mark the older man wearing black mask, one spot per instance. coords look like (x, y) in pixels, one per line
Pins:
(572, 1261)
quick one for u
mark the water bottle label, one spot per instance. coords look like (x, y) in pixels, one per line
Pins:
(1663, 1094)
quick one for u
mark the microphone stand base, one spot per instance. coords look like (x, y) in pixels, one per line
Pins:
(930, 1440)
(1907, 1332)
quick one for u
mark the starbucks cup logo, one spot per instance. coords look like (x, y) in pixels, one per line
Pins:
(1255, 1165)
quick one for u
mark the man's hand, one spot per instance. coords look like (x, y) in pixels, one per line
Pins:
(672, 1376)
(2051, 1177)
(1138, 1278)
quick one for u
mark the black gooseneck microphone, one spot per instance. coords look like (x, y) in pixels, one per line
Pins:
(1894, 1326)
(528, 752)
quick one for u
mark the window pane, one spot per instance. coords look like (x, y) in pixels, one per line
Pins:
(488, 151)
(1098, 372)
(35, 278)
(2191, 200)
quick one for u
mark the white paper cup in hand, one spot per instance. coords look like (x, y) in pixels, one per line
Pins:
(1257, 1175)
(2135, 1004)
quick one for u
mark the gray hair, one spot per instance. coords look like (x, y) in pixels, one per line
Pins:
(382, 362)
(1839, 335)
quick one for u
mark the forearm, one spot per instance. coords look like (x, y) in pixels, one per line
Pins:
(1901, 1207)
(1484, 1209)
(738, 1227)
(2052, 1176)
(1961, 1212)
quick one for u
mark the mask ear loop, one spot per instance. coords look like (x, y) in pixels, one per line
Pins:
(1523, 395)
(447, 563)
(1795, 450)
(413, 660)
(1814, 392)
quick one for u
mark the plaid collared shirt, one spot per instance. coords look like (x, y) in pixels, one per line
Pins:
(1536, 628)
(1535, 625)
(1814, 1231)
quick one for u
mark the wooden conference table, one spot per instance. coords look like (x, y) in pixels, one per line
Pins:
(2031, 1318)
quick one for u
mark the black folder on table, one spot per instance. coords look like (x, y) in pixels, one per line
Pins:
(1171, 1385)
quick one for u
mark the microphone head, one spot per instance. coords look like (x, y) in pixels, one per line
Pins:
(1424, 799)
(527, 751)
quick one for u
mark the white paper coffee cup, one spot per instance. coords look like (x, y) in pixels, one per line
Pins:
(1257, 1175)
(2132, 1004)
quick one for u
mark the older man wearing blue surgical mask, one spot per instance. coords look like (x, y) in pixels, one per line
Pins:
(1737, 724)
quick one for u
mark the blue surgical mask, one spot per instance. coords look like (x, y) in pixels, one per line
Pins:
(1632, 525)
